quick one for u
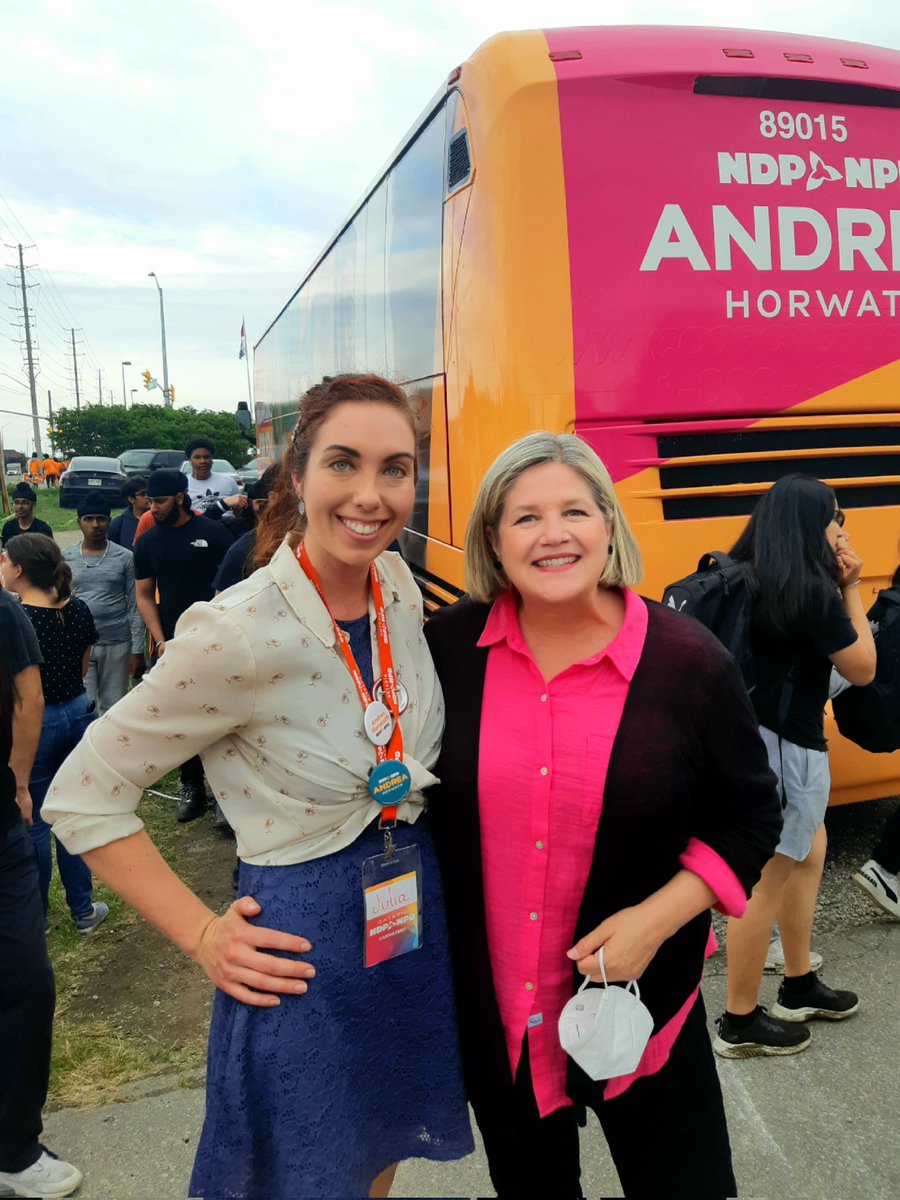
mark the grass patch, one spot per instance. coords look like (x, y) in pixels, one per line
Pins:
(59, 519)
(129, 1005)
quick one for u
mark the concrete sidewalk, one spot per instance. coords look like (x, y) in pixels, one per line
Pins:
(819, 1124)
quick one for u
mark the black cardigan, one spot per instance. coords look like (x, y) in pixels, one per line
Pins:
(687, 761)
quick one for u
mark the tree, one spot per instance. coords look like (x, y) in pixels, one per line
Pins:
(109, 431)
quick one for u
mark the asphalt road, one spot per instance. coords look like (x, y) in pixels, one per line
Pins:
(820, 1124)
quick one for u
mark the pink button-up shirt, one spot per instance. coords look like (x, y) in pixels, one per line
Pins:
(544, 754)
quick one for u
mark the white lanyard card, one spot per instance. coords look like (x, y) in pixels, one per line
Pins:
(392, 893)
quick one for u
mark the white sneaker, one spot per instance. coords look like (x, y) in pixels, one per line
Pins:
(883, 887)
(48, 1177)
(775, 959)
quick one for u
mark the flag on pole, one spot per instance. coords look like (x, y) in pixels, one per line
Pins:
(243, 352)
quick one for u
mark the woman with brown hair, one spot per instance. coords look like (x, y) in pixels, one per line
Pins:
(310, 695)
(34, 569)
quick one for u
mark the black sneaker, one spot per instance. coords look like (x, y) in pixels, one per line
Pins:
(192, 803)
(764, 1035)
(819, 1001)
(219, 820)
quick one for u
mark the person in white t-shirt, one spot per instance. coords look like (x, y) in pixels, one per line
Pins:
(208, 489)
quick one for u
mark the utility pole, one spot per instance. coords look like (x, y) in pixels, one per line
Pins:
(52, 425)
(99, 390)
(34, 408)
(75, 364)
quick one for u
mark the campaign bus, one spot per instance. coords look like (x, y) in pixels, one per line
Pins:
(681, 244)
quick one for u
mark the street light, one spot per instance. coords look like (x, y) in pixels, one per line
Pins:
(125, 364)
(162, 324)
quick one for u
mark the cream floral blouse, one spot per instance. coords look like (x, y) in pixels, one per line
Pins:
(254, 684)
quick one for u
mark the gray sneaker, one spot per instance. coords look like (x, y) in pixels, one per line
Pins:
(88, 924)
(883, 887)
(48, 1177)
(775, 958)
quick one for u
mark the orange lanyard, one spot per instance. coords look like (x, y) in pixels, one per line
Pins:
(394, 748)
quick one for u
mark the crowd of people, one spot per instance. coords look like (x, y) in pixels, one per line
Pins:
(467, 808)
(73, 640)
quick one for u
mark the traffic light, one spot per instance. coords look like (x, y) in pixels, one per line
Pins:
(145, 375)
(171, 395)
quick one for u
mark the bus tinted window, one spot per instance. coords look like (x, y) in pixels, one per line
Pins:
(414, 228)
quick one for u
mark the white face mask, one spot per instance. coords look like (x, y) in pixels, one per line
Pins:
(606, 1030)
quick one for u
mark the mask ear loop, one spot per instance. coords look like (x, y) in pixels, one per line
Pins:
(587, 978)
(632, 986)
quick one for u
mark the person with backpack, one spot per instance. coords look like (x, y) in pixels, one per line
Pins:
(870, 717)
(803, 576)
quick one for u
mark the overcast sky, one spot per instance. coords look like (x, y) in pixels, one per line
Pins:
(219, 143)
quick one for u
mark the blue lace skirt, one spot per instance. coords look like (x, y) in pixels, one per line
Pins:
(317, 1097)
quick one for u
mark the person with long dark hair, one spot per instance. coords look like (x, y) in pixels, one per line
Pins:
(808, 614)
(33, 567)
(310, 695)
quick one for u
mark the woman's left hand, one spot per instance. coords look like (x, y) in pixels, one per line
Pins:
(629, 938)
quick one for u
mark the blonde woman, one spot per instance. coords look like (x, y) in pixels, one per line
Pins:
(603, 784)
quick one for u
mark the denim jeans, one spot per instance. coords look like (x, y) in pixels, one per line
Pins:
(62, 730)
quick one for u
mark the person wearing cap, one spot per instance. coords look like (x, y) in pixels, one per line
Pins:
(24, 499)
(103, 577)
(123, 528)
(207, 488)
(177, 559)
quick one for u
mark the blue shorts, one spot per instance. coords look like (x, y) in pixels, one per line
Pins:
(804, 780)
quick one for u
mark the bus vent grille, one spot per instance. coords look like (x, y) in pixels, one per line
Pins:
(862, 462)
(459, 164)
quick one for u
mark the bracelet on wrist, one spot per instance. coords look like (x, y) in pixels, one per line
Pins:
(847, 586)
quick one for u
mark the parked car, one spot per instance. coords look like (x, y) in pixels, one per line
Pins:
(14, 470)
(88, 473)
(221, 466)
(142, 462)
(251, 470)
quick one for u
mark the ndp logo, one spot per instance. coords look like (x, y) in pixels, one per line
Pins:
(789, 169)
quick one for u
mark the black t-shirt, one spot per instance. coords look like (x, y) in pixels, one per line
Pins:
(63, 634)
(237, 563)
(808, 653)
(11, 529)
(183, 560)
(19, 650)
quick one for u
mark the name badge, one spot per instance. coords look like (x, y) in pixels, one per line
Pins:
(392, 897)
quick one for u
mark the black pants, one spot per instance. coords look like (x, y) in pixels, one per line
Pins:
(27, 1002)
(887, 852)
(192, 771)
(667, 1134)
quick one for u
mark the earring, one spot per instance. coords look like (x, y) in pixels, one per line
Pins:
(609, 549)
(301, 508)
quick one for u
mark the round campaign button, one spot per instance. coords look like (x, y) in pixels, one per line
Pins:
(378, 722)
(402, 694)
(390, 782)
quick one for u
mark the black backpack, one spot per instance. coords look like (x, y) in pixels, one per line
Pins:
(718, 596)
(870, 715)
